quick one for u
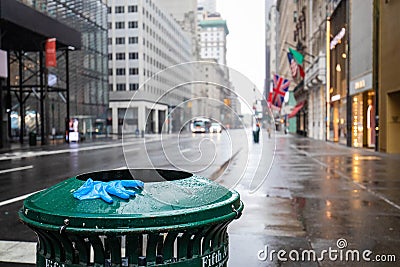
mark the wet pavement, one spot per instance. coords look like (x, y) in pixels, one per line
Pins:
(319, 196)
(319, 199)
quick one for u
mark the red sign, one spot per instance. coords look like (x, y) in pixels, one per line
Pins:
(51, 55)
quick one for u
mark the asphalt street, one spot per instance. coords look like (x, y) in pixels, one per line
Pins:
(300, 195)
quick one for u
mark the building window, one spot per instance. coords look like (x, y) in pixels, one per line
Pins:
(110, 56)
(120, 71)
(120, 40)
(119, 9)
(133, 40)
(132, 9)
(110, 72)
(109, 25)
(109, 9)
(133, 86)
(133, 55)
(120, 56)
(109, 41)
(120, 25)
(132, 24)
(133, 71)
(121, 87)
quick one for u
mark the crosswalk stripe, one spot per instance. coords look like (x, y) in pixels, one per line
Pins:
(18, 252)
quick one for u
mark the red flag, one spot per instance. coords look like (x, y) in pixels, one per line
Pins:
(51, 55)
(301, 72)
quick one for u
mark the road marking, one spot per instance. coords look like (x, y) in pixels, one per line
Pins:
(72, 149)
(18, 252)
(16, 169)
(185, 150)
(130, 150)
(12, 200)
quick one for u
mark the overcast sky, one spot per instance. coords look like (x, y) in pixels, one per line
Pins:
(245, 44)
(246, 39)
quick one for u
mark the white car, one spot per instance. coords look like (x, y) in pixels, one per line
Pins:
(215, 128)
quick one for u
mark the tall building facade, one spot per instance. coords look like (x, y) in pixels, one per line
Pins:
(144, 41)
(315, 72)
(386, 75)
(361, 90)
(213, 32)
(339, 102)
(185, 13)
(42, 100)
(286, 18)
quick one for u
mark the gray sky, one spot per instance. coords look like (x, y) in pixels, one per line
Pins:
(245, 47)
(246, 39)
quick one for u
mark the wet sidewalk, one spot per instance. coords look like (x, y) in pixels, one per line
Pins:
(324, 201)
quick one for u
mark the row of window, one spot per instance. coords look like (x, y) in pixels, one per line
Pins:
(121, 40)
(121, 71)
(121, 56)
(121, 25)
(122, 87)
(121, 9)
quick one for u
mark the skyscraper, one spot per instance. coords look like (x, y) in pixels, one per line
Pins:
(144, 40)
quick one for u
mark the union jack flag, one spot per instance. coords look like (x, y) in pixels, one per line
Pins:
(281, 86)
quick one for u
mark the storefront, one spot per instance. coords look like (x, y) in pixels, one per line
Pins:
(338, 82)
(363, 112)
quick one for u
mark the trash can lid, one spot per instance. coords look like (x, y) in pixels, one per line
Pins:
(170, 200)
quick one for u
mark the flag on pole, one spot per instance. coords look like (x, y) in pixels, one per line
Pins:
(293, 65)
(301, 71)
(297, 56)
(281, 86)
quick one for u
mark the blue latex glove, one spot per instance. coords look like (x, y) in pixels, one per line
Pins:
(96, 189)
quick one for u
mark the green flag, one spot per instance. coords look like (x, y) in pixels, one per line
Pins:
(297, 56)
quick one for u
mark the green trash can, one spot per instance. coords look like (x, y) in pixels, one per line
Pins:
(178, 219)
(32, 138)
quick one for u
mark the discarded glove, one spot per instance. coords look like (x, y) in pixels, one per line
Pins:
(96, 189)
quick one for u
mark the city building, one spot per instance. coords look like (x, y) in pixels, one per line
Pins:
(386, 78)
(144, 43)
(361, 90)
(39, 99)
(315, 72)
(185, 13)
(213, 32)
(339, 102)
(287, 17)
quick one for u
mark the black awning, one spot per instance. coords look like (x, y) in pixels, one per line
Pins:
(24, 28)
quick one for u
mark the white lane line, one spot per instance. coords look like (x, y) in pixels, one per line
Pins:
(185, 150)
(130, 150)
(18, 252)
(16, 169)
(15, 199)
(20, 155)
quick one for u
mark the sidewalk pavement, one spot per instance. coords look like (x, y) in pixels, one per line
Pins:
(317, 196)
